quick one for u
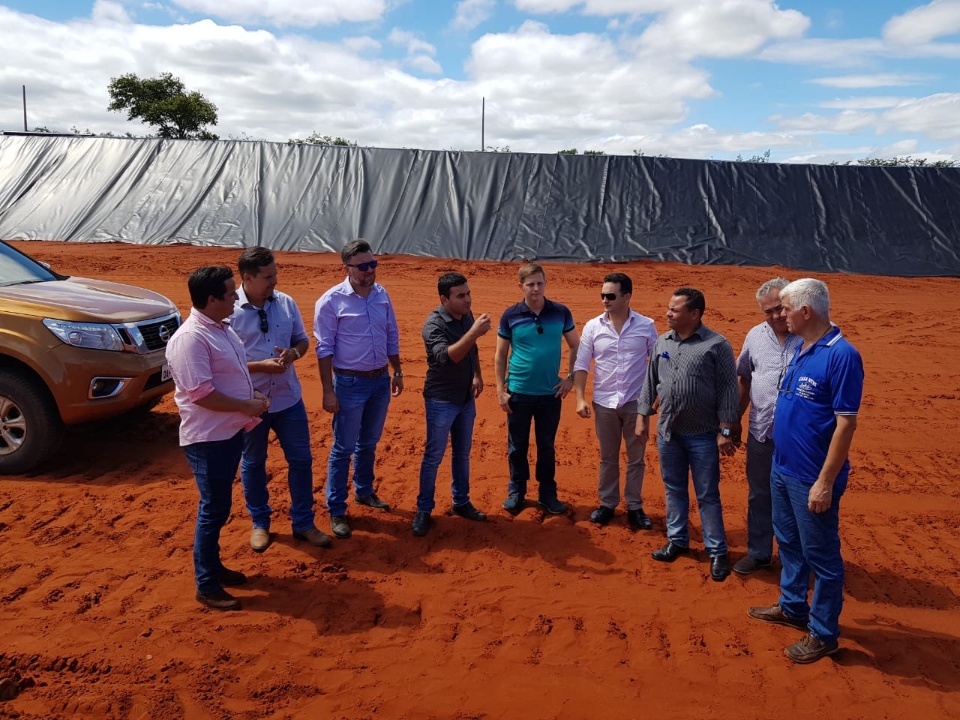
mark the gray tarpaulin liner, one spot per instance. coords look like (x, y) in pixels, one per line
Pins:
(473, 205)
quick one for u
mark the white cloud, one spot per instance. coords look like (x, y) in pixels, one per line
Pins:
(861, 103)
(470, 13)
(286, 13)
(825, 53)
(411, 41)
(936, 116)
(108, 11)
(870, 81)
(925, 23)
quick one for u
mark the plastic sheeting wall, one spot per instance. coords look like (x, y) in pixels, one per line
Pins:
(471, 205)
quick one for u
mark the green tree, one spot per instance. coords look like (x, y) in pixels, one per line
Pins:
(316, 138)
(164, 103)
(569, 151)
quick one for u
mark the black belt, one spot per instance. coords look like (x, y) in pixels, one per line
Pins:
(362, 373)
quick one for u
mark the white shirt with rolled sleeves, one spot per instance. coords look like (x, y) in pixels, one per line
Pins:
(620, 359)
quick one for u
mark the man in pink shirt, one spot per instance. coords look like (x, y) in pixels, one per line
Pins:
(619, 342)
(217, 404)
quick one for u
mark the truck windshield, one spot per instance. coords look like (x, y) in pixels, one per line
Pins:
(17, 268)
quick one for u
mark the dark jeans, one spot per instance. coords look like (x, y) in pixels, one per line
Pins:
(214, 466)
(453, 422)
(759, 517)
(544, 412)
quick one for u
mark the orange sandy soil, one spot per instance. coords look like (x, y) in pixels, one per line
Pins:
(532, 617)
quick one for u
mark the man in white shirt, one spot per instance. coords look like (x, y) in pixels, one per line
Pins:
(619, 342)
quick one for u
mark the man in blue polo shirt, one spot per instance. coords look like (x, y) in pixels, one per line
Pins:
(813, 427)
(529, 334)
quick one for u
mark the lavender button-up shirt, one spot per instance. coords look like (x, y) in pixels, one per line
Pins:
(620, 359)
(360, 333)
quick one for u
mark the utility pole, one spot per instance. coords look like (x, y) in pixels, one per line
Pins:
(483, 124)
(25, 108)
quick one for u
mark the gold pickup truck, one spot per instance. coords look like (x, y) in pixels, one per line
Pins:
(73, 350)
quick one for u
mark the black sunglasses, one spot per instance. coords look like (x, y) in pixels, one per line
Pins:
(536, 320)
(264, 323)
(608, 296)
(363, 267)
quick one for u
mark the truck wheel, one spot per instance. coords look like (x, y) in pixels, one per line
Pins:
(30, 426)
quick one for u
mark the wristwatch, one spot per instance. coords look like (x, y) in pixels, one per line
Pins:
(398, 374)
(726, 432)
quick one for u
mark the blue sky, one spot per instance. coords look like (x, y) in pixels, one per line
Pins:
(809, 81)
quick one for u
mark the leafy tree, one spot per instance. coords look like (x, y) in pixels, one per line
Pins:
(504, 149)
(316, 138)
(164, 103)
(906, 161)
(571, 151)
(594, 152)
(756, 158)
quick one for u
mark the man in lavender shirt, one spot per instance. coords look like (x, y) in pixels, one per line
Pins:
(767, 351)
(217, 403)
(358, 342)
(619, 342)
(269, 323)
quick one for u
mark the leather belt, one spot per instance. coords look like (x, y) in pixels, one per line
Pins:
(369, 374)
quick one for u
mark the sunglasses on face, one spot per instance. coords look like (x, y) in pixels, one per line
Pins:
(363, 267)
(264, 323)
(608, 296)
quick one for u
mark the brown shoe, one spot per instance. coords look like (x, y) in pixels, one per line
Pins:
(260, 539)
(810, 649)
(219, 600)
(774, 614)
(314, 537)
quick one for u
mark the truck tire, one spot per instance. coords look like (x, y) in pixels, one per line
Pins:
(30, 426)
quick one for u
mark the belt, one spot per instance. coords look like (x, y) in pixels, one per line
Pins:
(361, 373)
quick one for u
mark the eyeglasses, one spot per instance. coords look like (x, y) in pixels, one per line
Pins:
(608, 296)
(363, 267)
(264, 323)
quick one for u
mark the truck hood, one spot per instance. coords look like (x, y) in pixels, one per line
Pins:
(86, 300)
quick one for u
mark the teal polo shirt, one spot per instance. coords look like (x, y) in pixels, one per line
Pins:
(535, 346)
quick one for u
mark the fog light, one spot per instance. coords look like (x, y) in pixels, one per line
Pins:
(105, 387)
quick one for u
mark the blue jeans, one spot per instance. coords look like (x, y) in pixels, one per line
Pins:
(808, 541)
(544, 412)
(293, 431)
(698, 455)
(759, 513)
(453, 421)
(357, 427)
(214, 466)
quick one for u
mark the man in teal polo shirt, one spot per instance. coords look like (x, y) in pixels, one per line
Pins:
(530, 334)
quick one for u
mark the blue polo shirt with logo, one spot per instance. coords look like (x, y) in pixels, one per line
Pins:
(534, 355)
(818, 385)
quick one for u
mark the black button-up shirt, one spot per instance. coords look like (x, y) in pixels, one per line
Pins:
(447, 380)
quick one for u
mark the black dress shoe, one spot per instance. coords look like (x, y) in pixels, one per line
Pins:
(719, 567)
(468, 511)
(232, 578)
(218, 600)
(669, 552)
(373, 501)
(638, 520)
(421, 523)
(602, 515)
(514, 504)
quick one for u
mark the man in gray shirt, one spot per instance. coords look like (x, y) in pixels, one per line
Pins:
(767, 351)
(693, 375)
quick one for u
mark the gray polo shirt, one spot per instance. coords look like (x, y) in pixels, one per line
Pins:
(695, 381)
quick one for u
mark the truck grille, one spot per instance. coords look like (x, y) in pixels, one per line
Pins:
(156, 334)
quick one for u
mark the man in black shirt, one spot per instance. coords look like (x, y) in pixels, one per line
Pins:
(453, 383)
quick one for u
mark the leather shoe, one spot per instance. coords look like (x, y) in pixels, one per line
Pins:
(809, 649)
(602, 515)
(514, 504)
(552, 506)
(260, 539)
(373, 501)
(339, 526)
(669, 552)
(218, 600)
(421, 523)
(468, 511)
(638, 520)
(774, 614)
(232, 578)
(749, 564)
(314, 537)
(719, 567)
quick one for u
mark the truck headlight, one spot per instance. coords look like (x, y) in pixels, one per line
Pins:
(97, 336)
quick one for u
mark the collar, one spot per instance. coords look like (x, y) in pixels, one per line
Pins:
(244, 302)
(207, 320)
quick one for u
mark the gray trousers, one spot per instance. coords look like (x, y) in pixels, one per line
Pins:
(759, 518)
(614, 425)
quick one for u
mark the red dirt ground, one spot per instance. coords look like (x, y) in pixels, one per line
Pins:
(530, 617)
